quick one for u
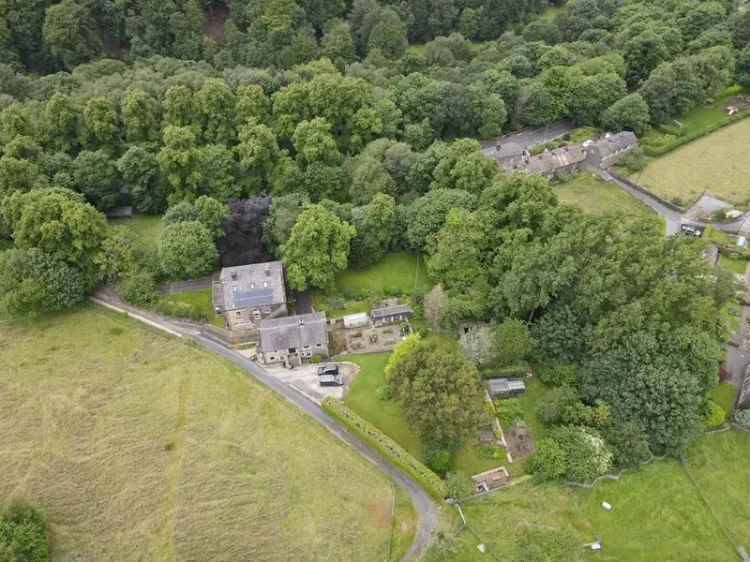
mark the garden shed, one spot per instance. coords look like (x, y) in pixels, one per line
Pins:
(358, 320)
(505, 388)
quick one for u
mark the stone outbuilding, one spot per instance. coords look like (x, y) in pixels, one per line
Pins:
(293, 339)
(391, 314)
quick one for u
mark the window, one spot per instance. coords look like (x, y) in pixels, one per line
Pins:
(306, 347)
(319, 345)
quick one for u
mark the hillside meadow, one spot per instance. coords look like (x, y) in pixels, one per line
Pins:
(142, 447)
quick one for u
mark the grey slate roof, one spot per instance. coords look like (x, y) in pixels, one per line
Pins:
(292, 332)
(505, 386)
(253, 285)
(612, 143)
(385, 311)
(552, 160)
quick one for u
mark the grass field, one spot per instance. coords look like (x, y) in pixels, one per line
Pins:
(716, 163)
(144, 228)
(357, 290)
(595, 196)
(142, 447)
(658, 513)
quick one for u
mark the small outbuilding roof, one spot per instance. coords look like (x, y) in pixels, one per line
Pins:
(391, 310)
(505, 386)
(358, 319)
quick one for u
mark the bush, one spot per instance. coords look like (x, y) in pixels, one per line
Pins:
(392, 451)
(558, 374)
(715, 415)
(634, 160)
(180, 310)
(629, 444)
(316, 359)
(383, 392)
(512, 342)
(138, 288)
(438, 458)
(459, 485)
(549, 461)
(509, 411)
(742, 418)
(587, 455)
(512, 371)
(23, 535)
(562, 406)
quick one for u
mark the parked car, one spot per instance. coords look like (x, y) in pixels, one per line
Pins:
(331, 380)
(328, 369)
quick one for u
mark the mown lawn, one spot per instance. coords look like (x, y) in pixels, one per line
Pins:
(144, 228)
(724, 395)
(716, 163)
(733, 264)
(658, 513)
(199, 300)
(138, 446)
(595, 196)
(356, 290)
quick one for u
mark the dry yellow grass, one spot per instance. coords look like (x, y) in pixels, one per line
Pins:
(143, 447)
(717, 163)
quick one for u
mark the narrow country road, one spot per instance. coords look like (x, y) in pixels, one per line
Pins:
(423, 503)
(672, 218)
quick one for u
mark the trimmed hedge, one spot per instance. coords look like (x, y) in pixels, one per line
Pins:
(654, 151)
(512, 371)
(391, 450)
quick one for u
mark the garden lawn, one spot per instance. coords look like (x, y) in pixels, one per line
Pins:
(200, 300)
(734, 265)
(724, 395)
(387, 416)
(716, 163)
(595, 196)
(140, 446)
(357, 290)
(145, 229)
(658, 513)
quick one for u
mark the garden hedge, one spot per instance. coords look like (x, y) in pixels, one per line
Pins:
(512, 371)
(391, 450)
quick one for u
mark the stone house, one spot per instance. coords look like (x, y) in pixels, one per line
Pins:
(247, 294)
(391, 314)
(293, 339)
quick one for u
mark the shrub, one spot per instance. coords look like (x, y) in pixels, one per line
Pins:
(562, 406)
(587, 455)
(512, 342)
(316, 359)
(23, 535)
(549, 462)
(715, 415)
(459, 485)
(742, 418)
(396, 454)
(438, 458)
(138, 288)
(383, 392)
(517, 370)
(558, 374)
(634, 160)
(509, 411)
(629, 444)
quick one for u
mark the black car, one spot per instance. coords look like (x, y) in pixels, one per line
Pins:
(328, 370)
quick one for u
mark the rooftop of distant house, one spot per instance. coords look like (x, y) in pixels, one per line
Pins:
(251, 286)
(390, 310)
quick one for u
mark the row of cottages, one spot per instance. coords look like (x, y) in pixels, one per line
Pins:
(571, 158)
(252, 299)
